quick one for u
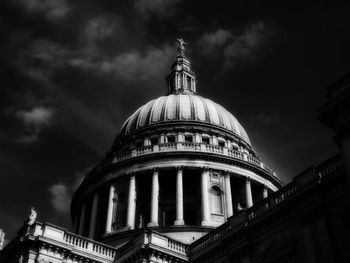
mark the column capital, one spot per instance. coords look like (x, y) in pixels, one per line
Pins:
(205, 168)
(131, 174)
(248, 178)
(179, 167)
(227, 173)
(155, 170)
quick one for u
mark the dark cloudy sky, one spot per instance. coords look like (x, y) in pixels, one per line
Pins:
(72, 71)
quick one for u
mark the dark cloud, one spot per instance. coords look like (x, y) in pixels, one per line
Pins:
(158, 8)
(212, 42)
(52, 9)
(73, 71)
(245, 45)
(236, 48)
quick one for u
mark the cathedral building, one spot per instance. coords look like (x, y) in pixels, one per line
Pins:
(183, 183)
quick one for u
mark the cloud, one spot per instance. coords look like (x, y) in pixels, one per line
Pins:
(53, 9)
(158, 8)
(60, 197)
(133, 65)
(62, 192)
(37, 117)
(28, 139)
(211, 42)
(45, 57)
(235, 48)
(99, 28)
(129, 66)
(34, 121)
(244, 46)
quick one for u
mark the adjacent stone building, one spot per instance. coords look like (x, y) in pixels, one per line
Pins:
(182, 183)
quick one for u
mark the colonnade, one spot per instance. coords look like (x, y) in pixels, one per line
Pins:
(154, 207)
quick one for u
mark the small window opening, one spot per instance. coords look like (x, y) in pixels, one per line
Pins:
(154, 140)
(205, 140)
(188, 138)
(221, 143)
(188, 82)
(171, 138)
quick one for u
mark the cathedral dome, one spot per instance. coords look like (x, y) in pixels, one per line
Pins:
(183, 107)
(171, 168)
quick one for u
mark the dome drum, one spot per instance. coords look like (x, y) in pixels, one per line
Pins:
(164, 198)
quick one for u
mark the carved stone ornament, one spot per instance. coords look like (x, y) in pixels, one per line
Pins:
(31, 217)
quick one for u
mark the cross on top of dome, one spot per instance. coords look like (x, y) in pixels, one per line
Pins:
(181, 47)
(181, 78)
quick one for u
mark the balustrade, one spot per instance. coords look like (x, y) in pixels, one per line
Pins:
(177, 246)
(88, 245)
(189, 146)
(329, 168)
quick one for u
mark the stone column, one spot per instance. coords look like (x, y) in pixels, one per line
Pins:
(265, 192)
(110, 209)
(130, 220)
(93, 216)
(205, 197)
(179, 198)
(248, 193)
(228, 195)
(82, 220)
(154, 199)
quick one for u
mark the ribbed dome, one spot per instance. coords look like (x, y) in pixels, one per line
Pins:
(183, 107)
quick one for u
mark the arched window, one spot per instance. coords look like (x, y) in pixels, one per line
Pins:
(216, 200)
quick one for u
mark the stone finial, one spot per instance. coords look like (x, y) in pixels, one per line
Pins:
(31, 217)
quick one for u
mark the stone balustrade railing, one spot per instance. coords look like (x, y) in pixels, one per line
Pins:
(155, 240)
(309, 178)
(177, 246)
(75, 243)
(189, 146)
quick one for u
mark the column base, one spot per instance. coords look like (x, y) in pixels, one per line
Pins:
(129, 227)
(152, 224)
(121, 229)
(206, 223)
(179, 222)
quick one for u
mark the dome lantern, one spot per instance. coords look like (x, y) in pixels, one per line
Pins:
(181, 78)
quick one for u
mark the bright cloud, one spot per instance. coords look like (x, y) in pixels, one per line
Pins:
(34, 121)
(60, 197)
(61, 193)
(36, 117)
